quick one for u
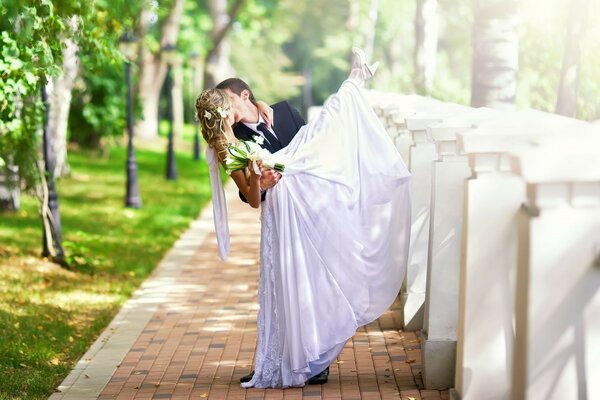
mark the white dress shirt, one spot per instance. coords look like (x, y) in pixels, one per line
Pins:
(255, 129)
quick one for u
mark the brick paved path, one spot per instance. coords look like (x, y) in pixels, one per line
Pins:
(200, 339)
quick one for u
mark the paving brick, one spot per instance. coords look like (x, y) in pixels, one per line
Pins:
(202, 338)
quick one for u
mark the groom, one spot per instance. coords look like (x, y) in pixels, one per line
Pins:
(248, 124)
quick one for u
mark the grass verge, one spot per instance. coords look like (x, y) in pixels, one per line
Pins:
(49, 316)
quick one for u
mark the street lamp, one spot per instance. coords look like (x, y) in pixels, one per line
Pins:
(194, 61)
(128, 46)
(169, 55)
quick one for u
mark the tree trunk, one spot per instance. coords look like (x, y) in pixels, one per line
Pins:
(495, 54)
(426, 40)
(217, 66)
(153, 71)
(177, 96)
(10, 191)
(151, 77)
(353, 21)
(59, 91)
(566, 103)
(307, 97)
(371, 29)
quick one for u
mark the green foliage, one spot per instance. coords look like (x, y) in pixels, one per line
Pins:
(394, 46)
(540, 59)
(49, 316)
(27, 59)
(98, 108)
(320, 44)
(32, 41)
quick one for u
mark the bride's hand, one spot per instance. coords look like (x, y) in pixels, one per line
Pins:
(253, 173)
(269, 178)
(266, 112)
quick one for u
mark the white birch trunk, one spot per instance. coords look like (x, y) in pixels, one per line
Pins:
(495, 54)
(426, 41)
(177, 96)
(152, 74)
(568, 88)
(371, 29)
(353, 21)
(59, 91)
(217, 65)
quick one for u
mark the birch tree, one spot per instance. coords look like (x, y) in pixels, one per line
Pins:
(153, 69)
(217, 66)
(426, 40)
(568, 88)
(371, 28)
(495, 54)
(59, 91)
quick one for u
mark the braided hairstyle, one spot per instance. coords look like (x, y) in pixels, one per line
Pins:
(212, 106)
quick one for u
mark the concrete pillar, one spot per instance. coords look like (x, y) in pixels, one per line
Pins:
(557, 348)
(449, 171)
(421, 156)
(493, 196)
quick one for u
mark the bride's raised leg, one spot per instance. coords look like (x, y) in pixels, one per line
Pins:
(361, 71)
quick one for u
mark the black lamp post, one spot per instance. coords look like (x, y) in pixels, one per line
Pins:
(197, 147)
(169, 53)
(128, 46)
(51, 216)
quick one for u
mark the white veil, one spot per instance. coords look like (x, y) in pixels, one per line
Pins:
(219, 203)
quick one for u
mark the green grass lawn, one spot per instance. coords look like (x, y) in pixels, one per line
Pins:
(49, 316)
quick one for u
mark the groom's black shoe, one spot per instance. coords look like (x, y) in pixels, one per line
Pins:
(247, 378)
(320, 378)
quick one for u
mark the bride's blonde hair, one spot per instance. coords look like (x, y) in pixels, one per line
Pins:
(212, 106)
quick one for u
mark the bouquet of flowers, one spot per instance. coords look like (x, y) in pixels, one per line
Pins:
(240, 154)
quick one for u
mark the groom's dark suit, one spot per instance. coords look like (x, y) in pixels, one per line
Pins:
(288, 122)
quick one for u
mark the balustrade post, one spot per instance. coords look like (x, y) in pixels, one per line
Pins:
(557, 350)
(493, 195)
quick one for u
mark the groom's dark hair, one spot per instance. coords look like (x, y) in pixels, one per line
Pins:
(236, 86)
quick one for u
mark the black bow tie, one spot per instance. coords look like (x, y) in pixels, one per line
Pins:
(275, 143)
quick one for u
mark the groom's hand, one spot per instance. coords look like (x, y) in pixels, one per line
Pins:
(269, 178)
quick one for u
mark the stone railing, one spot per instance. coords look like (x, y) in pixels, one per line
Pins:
(504, 268)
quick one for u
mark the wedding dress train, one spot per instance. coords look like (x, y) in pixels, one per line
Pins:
(334, 241)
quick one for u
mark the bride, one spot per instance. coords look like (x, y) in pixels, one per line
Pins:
(335, 229)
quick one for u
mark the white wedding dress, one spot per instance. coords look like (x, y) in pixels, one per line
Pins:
(334, 245)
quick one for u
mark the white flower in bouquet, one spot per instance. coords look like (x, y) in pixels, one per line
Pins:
(248, 151)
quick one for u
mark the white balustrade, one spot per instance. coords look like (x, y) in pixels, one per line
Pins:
(493, 196)
(557, 311)
(504, 263)
(422, 153)
(437, 285)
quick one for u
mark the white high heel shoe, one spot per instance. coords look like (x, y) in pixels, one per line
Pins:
(360, 61)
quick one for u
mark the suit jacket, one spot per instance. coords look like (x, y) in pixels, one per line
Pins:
(288, 122)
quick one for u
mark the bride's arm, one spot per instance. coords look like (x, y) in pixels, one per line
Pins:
(249, 187)
(266, 111)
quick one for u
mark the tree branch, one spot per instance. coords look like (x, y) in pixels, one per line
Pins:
(235, 9)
